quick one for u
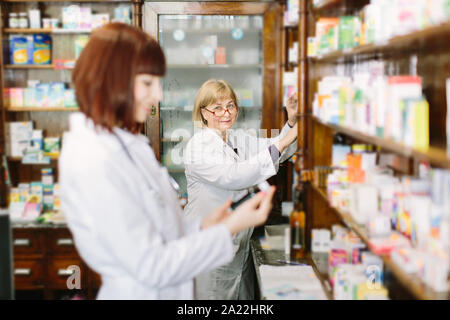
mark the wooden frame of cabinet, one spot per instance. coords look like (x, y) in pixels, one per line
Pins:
(272, 113)
(315, 147)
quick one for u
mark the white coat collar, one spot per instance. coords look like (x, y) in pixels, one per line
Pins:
(79, 121)
(225, 146)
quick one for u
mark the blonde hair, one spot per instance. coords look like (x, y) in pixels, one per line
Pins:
(210, 92)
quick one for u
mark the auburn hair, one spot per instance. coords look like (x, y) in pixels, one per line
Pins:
(104, 73)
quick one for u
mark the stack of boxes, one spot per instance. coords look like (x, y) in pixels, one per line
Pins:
(28, 200)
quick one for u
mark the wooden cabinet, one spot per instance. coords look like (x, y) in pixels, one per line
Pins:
(45, 258)
(418, 53)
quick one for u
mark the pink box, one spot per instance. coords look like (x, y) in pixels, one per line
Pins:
(16, 97)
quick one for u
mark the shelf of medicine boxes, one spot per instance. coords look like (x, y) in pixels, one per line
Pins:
(414, 285)
(39, 109)
(87, 1)
(19, 159)
(412, 41)
(435, 156)
(29, 66)
(49, 31)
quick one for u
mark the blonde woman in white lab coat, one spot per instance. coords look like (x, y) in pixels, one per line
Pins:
(118, 200)
(220, 164)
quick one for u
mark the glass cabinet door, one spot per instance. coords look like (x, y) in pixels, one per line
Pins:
(199, 48)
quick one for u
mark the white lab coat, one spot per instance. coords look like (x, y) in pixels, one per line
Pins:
(215, 173)
(125, 218)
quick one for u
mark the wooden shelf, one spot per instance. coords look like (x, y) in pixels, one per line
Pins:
(414, 284)
(49, 31)
(435, 156)
(19, 159)
(65, 1)
(29, 66)
(214, 66)
(39, 109)
(412, 41)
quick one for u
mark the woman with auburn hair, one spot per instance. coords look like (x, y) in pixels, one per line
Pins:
(221, 164)
(118, 200)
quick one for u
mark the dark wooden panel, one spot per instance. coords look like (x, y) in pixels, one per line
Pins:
(57, 276)
(27, 242)
(29, 274)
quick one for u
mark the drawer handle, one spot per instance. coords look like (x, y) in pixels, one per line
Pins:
(65, 242)
(66, 272)
(22, 272)
(22, 242)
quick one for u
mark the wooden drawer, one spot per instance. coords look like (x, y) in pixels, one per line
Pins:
(27, 242)
(59, 270)
(28, 274)
(60, 242)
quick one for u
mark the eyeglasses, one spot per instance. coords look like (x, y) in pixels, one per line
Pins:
(220, 111)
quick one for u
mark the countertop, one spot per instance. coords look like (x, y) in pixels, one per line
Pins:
(318, 261)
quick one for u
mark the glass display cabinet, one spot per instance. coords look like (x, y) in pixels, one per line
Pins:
(211, 40)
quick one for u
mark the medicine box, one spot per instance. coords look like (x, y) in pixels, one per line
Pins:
(42, 45)
(85, 18)
(57, 90)
(19, 49)
(69, 99)
(52, 145)
(16, 97)
(18, 137)
(43, 95)
(71, 17)
(29, 97)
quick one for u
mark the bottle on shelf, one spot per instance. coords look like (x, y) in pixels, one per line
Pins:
(23, 20)
(297, 223)
(13, 20)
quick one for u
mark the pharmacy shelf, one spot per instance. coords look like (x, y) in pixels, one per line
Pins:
(19, 159)
(29, 66)
(414, 284)
(435, 156)
(39, 109)
(49, 31)
(65, 1)
(412, 41)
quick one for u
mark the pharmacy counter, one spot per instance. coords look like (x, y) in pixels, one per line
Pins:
(265, 257)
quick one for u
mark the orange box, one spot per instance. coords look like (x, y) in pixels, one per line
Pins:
(221, 56)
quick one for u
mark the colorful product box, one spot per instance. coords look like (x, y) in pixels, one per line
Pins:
(29, 97)
(71, 17)
(99, 20)
(19, 50)
(6, 97)
(37, 190)
(43, 95)
(52, 146)
(123, 14)
(42, 46)
(70, 99)
(79, 43)
(16, 97)
(85, 18)
(221, 55)
(57, 90)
